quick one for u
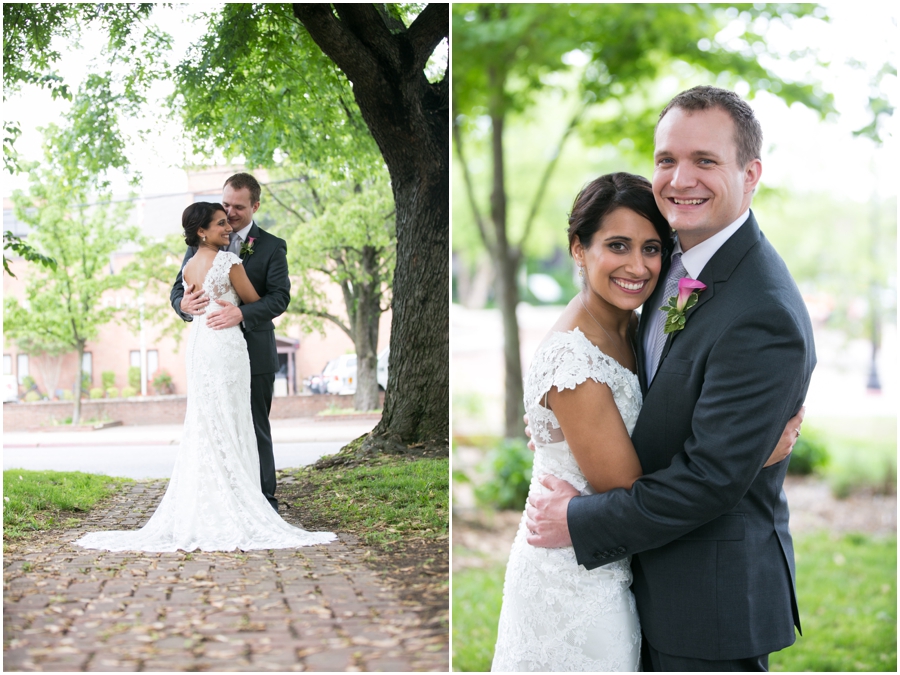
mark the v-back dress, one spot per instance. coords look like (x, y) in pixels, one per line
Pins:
(214, 501)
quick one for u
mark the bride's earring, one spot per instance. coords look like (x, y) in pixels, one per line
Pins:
(581, 271)
(204, 239)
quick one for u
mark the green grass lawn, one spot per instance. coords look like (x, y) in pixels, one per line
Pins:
(847, 589)
(40, 500)
(477, 594)
(388, 499)
(862, 452)
(847, 594)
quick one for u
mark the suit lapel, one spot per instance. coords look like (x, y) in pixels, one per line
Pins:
(254, 233)
(719, 269)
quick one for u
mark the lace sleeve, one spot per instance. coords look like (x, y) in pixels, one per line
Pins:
(565, 361)
(218, 282)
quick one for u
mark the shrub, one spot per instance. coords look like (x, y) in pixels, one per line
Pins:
(809, 454)
(112, 392)
(128, 392)
(509, 465)
(162, 382)
(29, 383)
(96, 392)
(108, 378)
(32, 396)
(68, 395)
(134, 377)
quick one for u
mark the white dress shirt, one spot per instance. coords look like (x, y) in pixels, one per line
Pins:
(242, 234)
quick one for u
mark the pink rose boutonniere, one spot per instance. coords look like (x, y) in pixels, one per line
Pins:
(679, 305)
(247, 247)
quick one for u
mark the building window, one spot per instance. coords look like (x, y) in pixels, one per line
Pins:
(152, 361)
(7, 364)
(87, 366)
(21, 366)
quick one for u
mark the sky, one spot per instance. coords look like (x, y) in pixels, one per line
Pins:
(802, 152)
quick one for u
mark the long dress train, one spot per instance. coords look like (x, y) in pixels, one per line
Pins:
(214, 501)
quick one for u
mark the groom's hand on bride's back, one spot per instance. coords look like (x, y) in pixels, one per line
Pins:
(194, 302)
(225, 316)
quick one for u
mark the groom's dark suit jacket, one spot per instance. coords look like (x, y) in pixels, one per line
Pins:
(707, 524)
(267, 270)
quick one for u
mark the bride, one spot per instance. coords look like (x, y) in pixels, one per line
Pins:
(213, 501)
(582, 399)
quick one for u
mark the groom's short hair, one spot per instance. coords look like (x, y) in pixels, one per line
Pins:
(747, 131)
(244, 180)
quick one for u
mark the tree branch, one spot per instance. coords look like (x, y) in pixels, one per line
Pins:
(548, 171)
(283, 205)
(426, 32)
(368, 26)
(340, 45)
(322, 315)
(467, 180)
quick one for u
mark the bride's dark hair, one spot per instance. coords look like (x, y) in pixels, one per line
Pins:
(604, 195)
(197, 217)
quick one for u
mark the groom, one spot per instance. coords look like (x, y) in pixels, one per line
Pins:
(265, 261)
(707, 525)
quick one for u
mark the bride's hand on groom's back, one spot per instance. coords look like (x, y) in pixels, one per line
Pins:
(788, 437)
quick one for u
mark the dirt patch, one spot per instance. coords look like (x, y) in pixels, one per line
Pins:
(416, 568)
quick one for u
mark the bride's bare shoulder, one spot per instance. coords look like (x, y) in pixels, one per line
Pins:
(195, 270)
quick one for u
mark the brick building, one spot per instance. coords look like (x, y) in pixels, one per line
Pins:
(118, 347)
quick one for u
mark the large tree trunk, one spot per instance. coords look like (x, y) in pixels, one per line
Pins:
(408, 117)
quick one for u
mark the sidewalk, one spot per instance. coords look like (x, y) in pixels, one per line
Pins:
(314, 609)
(299, 430)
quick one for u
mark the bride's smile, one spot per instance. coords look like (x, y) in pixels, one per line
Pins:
(621, 263)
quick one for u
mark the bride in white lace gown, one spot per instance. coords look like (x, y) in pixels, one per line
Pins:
(583, 397)
(213, 501)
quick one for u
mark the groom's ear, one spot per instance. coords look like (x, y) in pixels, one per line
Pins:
(255, 207)
(752, 174)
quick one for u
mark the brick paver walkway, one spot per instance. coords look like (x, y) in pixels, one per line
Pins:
(315, 609)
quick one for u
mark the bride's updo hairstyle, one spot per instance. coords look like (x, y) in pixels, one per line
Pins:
(604, 195)
(197, 217)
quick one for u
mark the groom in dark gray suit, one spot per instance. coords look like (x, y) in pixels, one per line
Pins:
(707, 524)
(265, 261)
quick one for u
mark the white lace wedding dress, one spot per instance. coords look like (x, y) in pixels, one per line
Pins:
(214, 501)
(556, 615)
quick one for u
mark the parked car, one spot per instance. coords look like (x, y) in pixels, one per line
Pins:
(340, 375)
(381, 370)
(316, 383)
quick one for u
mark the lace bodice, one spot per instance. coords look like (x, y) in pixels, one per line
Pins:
(565, 360)
(556, 615)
